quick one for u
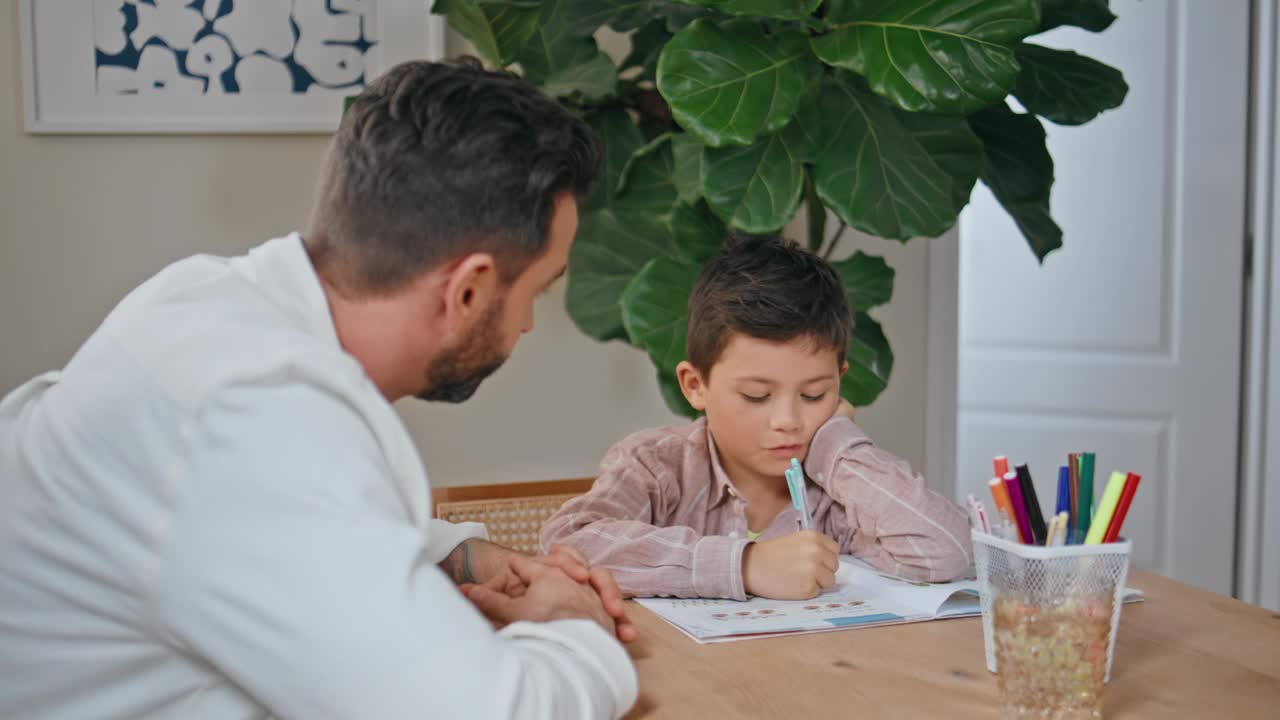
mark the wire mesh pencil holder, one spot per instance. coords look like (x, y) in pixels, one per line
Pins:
(1083, 584)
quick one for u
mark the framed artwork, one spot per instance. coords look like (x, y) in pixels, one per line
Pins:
(210, 66)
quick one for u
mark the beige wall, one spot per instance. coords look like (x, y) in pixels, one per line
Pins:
(83, 219)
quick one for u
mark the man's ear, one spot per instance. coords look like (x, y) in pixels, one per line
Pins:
(471, 284)
(844, 368)
(692, 384)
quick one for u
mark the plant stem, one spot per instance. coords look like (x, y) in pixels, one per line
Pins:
(816, 214)
(835, 240)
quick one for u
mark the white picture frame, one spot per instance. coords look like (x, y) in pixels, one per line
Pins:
(67, 90)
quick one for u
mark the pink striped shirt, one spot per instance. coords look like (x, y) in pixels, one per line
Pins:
(666, 520)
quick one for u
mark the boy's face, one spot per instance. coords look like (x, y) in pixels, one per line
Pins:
(764, 400)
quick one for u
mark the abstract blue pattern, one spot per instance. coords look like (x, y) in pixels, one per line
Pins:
(214, 47)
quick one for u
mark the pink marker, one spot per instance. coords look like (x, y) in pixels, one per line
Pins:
(1014, 489)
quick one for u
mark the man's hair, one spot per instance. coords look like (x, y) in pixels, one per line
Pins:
(767, 288)
(436, 160)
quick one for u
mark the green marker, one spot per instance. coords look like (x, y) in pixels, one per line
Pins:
(1084, 515)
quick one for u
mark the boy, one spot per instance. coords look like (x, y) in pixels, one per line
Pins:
(702, 510)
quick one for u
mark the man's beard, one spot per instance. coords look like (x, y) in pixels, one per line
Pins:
(454, 375)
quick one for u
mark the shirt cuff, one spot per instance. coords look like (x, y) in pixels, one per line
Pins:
(588, 642)
(443, 536)
(717, 567)
(832, 439)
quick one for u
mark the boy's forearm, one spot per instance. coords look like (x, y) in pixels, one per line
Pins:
(919, 532)
(648, 561)
(932, 553)
(926, 538)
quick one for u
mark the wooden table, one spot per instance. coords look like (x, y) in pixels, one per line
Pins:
(1184, 653)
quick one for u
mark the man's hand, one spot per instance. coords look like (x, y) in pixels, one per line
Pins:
(548, 594)
(576, 567)
(793, 567)
(479, 562)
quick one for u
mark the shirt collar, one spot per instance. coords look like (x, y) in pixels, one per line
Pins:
(282, 270)
(724, 486)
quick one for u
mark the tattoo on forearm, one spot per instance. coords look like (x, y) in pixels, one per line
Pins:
(458, 564)
(465, 574)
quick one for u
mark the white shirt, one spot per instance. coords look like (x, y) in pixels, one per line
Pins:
(211, 512)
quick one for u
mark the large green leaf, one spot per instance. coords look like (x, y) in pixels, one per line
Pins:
(498, 32)
(780, 9)
(610, 248)
(585, 17)
(1092, 15)
(1018, 169)
(875, 174)
(594, 79)
(698, 234)
(632, 221)
(926, 55)
(554, 47)
(687, 153)
(867, 280)
(655, 310)
(870, 362)
(647, 183)
(805, 133)
(730, 83)
(756, 187)
(1064, 87)
(951, 143)
(620, 138)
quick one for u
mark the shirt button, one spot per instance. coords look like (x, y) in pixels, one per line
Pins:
(734, 534)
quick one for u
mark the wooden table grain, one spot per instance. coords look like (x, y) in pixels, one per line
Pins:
(1184, 653)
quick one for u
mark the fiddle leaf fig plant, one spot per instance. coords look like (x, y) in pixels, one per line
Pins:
(729, 116)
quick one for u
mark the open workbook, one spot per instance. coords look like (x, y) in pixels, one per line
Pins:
(861, 597)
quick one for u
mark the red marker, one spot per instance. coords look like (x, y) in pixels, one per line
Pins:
(1001, 464)
(1122, 507)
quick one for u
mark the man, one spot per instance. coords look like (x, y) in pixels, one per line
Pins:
(213, 511)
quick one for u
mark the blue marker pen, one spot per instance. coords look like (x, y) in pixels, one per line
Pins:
(795, 484)
(1064, 491)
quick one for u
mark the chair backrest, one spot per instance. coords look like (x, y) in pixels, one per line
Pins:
(513, 513)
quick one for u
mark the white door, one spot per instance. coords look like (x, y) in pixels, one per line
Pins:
(1127, 341)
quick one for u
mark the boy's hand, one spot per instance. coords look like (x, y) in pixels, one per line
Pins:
(793, 567)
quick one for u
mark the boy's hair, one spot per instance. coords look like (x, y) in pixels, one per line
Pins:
(436, 160)
(768, 288)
